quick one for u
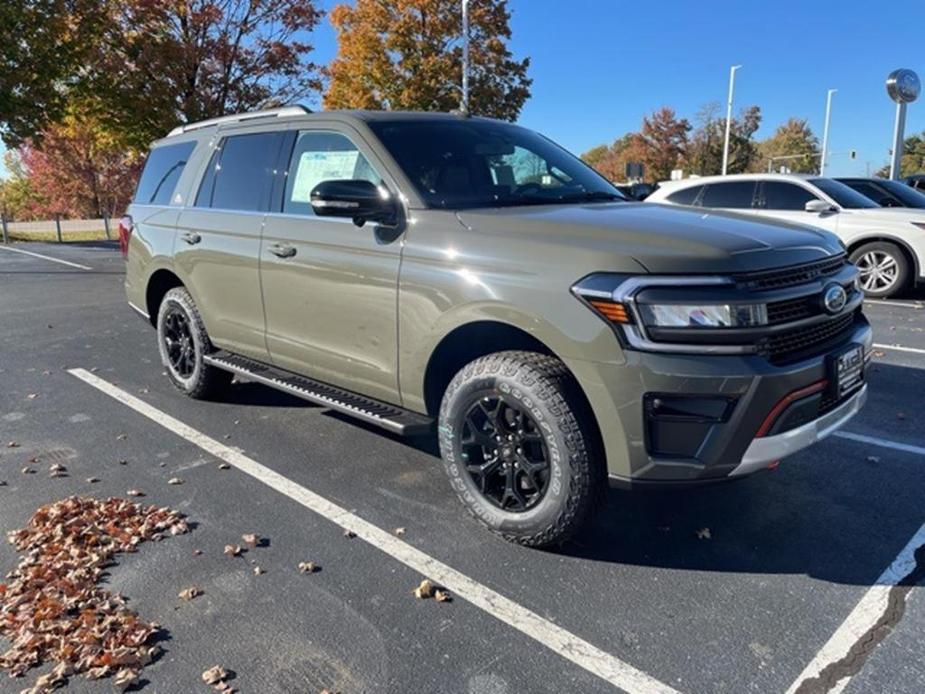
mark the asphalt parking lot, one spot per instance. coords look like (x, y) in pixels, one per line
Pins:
(793, 578)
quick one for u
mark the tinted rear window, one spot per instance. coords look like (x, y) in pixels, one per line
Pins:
(161, 173)
(240, 174)
(736, 195)
(685, 196)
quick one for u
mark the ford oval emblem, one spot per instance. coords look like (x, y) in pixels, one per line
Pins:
(834, 298)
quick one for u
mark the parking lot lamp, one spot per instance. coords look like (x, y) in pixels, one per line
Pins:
(732, 86)
(464, 106)
(903, 86)
(825, 131)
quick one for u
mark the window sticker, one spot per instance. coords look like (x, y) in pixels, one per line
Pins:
(315, 167)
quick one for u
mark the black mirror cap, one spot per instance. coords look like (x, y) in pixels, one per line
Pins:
(359, 200)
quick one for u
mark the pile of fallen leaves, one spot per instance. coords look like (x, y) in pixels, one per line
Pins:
(51, 608)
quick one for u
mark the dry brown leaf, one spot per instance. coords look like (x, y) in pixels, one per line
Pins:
(28, 471)
(349, 534)
(258, 571)
(307, 567)
(12, 444)
(442, 596)
(197, 552)
(174, 480)
(224, 466)
(122, 462)
(232, 550)
(424, 590)
(57, 473)
(189, 593)
(56, 467)
(399, 531)
(704, 534)
(251, 539)
(135, 492)
(214, 675)
(122, 437)
(125, 678)
(2, 483)
(93, 480)
(32, 396)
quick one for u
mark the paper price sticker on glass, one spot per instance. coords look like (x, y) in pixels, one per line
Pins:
(315, 167)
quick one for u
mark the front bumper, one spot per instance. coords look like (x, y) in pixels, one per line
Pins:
(769, 449)
(730, 446)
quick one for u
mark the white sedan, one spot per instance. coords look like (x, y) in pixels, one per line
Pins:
(887, 244)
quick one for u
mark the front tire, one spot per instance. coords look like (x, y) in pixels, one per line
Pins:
(884, 269)
(520, 448)
(183, 342)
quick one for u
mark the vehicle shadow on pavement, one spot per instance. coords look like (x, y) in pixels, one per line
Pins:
(840, 511)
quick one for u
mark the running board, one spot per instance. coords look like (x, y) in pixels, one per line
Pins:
(381, 414)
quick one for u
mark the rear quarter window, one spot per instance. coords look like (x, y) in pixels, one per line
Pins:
(685, 196)
(162, 172)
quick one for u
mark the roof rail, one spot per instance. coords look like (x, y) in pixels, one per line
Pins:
(283, 112)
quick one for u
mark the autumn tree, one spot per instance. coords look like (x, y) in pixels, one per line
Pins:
(913, 160)
(44, 45)
(407, 55)
(664, 138)
(78, 169)
(18, 196)
(794, 137)
(705, 150)
(164, 62)
(611, 160)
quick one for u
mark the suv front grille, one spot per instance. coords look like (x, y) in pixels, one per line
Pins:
(791, 310)
(793, 344)
(791, 276)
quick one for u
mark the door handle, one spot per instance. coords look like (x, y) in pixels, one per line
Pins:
(191, 238)
(282, 250)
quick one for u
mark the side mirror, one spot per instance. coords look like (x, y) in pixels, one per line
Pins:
(358, 200)
(819, 207)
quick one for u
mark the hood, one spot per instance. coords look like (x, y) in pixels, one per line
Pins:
(662, 238)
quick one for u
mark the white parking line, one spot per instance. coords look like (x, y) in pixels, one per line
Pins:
(46, 257)
(863, 617)
(580, 652)
(893, 303)
(900, 348)
(883, 443)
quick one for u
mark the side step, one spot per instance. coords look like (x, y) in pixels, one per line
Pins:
(387, 416)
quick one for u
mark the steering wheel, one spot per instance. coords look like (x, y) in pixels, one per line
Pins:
(532, 187)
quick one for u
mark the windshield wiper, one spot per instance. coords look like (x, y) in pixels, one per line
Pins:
(592, 196)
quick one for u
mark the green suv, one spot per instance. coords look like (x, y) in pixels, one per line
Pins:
(437, 271)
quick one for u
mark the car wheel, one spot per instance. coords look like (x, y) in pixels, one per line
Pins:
(884, 268)
(520, 447)
(183, 341)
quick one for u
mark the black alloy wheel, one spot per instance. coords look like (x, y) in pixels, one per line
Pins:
(505, 454)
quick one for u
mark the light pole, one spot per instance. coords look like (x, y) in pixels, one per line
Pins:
(732, 86)
(825, 130)
(464, 106)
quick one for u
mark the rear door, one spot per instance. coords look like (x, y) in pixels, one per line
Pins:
(331, 288)
(218, 240)
(732, 196)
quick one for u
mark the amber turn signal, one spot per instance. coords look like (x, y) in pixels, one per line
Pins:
(611, 310)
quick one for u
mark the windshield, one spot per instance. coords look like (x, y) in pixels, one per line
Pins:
(469, 163)
(909, 197)
(843, 195)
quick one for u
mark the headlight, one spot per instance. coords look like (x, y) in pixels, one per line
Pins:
(704, 316)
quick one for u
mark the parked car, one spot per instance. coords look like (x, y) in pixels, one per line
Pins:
(413, 270)
(917, 181)
(887, 244)
(886, 193)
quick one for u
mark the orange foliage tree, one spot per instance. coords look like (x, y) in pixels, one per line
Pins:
(407, 55)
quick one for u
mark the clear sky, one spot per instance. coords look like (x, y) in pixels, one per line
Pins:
(599, 65)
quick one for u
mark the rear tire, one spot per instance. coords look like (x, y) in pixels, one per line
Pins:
(520, 448)
(183, 342)
(884, 269)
